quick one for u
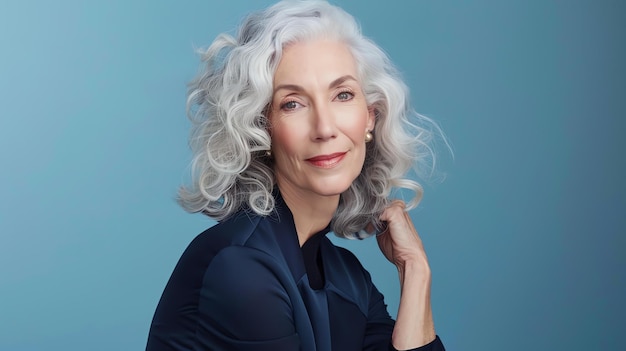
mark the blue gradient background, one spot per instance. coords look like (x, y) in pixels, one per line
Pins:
(526, 236)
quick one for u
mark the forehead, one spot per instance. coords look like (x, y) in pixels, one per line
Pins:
(321, 60)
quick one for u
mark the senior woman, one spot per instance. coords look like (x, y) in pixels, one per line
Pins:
(300, 128)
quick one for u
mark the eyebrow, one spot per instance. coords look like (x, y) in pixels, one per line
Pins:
(332, 84)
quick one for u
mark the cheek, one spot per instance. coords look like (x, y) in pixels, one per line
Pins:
(356, 127)
(285, 142)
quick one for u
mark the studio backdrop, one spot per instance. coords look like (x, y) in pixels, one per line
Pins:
(525, 227)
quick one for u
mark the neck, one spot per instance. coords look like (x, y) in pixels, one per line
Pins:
(311, 212)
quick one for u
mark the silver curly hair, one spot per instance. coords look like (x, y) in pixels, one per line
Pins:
(229, 99)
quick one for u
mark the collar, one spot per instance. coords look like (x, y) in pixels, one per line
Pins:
(300, 260)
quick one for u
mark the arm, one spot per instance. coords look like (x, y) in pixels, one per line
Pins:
(403, 247)
(380, 327)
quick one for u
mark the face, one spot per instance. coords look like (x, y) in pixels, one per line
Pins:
(319, 119)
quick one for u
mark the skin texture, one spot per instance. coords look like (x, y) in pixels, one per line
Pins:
(403, 247)
(319, 118)
(318, 110)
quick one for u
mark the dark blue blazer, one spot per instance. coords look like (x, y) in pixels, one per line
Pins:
(243, 285)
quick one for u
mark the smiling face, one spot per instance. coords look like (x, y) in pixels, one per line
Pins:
(319, 119)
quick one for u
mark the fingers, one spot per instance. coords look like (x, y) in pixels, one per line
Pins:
(399, 224)
(395, 209)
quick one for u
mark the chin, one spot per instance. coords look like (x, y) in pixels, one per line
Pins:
(332, 187)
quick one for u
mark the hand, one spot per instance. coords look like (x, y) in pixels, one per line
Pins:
(400, 243)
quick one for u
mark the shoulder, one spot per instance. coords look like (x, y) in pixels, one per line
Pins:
(244, 290)
(242, 230)
(240, 278)
(230, 236)
(235, 230)
(231, 272)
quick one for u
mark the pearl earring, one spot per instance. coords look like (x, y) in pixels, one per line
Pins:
(368, 137)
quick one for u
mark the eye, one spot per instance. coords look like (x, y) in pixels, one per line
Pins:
(345, 96)
(289, 105)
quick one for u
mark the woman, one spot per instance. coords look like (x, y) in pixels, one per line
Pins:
(299, 128)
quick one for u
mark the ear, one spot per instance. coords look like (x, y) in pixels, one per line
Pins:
(371, 118)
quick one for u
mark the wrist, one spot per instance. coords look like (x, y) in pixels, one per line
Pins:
(414, 268)
(414, 273)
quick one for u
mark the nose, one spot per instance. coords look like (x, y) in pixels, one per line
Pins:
(323, 125)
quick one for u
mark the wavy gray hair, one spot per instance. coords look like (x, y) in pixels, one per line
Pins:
(229, 99)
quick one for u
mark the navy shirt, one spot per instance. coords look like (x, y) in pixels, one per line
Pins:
(245, 284)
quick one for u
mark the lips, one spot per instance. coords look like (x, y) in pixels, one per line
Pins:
(326, 161)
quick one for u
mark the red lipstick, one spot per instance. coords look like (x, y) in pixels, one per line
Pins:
(326, 161)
